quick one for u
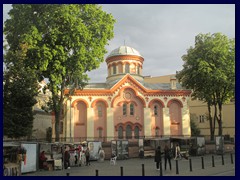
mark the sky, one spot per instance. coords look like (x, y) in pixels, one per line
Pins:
(162, 33)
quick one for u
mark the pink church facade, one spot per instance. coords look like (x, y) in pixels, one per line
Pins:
(125, 106)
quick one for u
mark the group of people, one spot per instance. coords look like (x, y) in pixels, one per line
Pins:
(167, 156)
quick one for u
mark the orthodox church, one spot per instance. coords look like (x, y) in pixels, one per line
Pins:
(126, 106)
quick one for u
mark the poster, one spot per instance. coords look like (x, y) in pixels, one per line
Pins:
(200, 145)
(122, 149)
(114, 148)
(219, 140)
(30, 163)
(94, 147)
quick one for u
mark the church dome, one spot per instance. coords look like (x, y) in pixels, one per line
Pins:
(124, 60)
(124, 50)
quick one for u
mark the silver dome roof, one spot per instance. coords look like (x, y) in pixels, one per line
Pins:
(124, 50)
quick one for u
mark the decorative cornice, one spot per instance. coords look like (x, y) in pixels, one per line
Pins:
(124, 57)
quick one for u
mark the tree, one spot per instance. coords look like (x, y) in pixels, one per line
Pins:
(20, 90)
(64, 43)
(209, 69)
(195, 131)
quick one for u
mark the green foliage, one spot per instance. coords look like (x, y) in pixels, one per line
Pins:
(195, 131)
(20, 90)
(64, 42)
(209, 69)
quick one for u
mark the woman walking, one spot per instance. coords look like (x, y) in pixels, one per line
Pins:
(158, 158)
(167, 157)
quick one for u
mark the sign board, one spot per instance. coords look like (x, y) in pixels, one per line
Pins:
(30, 163)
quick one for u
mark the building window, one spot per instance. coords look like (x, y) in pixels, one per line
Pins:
(124, 109)
(100, 132)
(114, 69)
(129, 132)
(120, 132)
(201, 118)
(136, 132)
(155, 110)
(138, 69)
(131, 109)
(99, 111)
(127, 68)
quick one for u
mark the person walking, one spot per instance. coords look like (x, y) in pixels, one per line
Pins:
(167, 157)
(66, 159)
(158, 158)
(177, 152)
(87, 154)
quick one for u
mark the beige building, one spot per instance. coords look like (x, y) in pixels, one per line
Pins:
(198, 111)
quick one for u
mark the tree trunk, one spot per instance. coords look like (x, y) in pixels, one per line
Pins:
(57, 129)
(210, 123)
(220, 120)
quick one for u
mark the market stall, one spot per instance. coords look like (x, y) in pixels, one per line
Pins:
(53, 153)
(13, 155)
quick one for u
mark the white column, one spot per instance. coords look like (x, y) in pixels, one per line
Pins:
(166, 122)
(67, 124)
(90, 123)
(147, 122)
(186, 128)
(72, 122)
(110, 124)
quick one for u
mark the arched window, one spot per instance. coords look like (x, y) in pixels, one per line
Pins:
(120, 132)
(155, 110)
(129, 132)
(124, 109)
(136, 132)
(138, 69)
(114, 69)
(99, 111)
(131, 109)
(127, 68)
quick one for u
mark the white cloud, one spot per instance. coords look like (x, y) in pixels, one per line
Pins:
(162, 33)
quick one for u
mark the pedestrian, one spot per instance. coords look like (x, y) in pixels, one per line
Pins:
(158, 157)
(87, 154)
(167, 157)
(177, 152)
(66, 159)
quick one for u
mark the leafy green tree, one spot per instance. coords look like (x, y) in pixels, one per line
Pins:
(64, 42)
(195, 131)
(209, 69)
(20, 90)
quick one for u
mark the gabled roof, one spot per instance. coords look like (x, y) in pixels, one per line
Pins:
(104, 89)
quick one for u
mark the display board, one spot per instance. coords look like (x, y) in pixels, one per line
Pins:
(30, 163)
(201, 146)
(120, 149)
(94, 148)
(219, 142)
